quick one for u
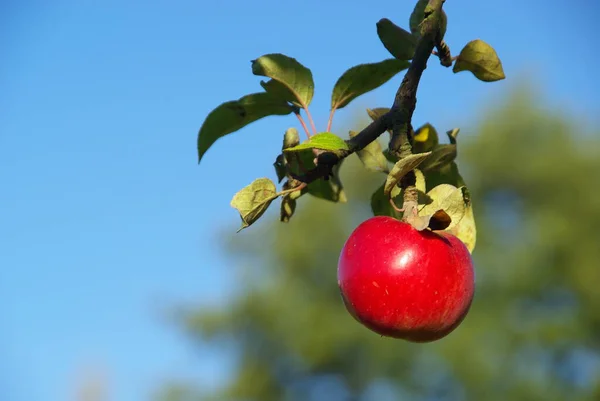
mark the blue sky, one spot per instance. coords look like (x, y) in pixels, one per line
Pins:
(105, 217)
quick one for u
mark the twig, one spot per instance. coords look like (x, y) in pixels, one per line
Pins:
(300, 187)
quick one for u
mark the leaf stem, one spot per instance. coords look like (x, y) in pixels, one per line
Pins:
(396, 208)
(297, 113)
(289, 191)
(312, 123)
(330, 121)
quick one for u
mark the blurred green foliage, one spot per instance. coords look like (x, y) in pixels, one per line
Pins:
(533, 332)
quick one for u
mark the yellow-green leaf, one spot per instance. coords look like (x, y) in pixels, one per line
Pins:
(465, 229)
(448, 198)
(401, 168)
(323, 141)
(481, 59)
(253, 200)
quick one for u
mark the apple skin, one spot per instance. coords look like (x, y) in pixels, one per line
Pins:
(404, 283)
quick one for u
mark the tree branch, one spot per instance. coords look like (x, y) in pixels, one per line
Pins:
(406, 97)
(399, 118)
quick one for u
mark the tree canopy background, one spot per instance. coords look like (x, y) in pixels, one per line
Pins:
(533, 331)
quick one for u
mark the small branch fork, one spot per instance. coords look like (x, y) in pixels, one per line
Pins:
(399, 118)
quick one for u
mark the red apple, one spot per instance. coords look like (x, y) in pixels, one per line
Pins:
(404, 283)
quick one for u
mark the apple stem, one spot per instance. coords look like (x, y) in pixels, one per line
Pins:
(411, 195)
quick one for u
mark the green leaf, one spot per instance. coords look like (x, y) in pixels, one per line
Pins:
(400, 43)
(465, 229)
(331, 189)
(253, 200)
(280, 168)
(416, 17)
(441, 155)
(380, 203)
(364, 78)
(323, 141)
(231, 116)
(418, 14)
(401, 168)
(481, 59)
(372, 156)
(425, 139)
(448, 198)
(295, 77)
(280, 91)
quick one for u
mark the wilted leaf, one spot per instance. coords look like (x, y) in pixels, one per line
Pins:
(402, 167)
(420, 181)
(465, 229)
(441, 155)
(425, 138)
(448, 198)
(400, 43)
(231, 116)
(323, 141)
(372, 156)
(288, 203)
(364, 78)
(481, 59)
(440, 220)
(288, 207)
(253, 200)
(288, 71)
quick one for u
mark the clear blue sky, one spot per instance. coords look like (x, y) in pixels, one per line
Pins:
(105, 218)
